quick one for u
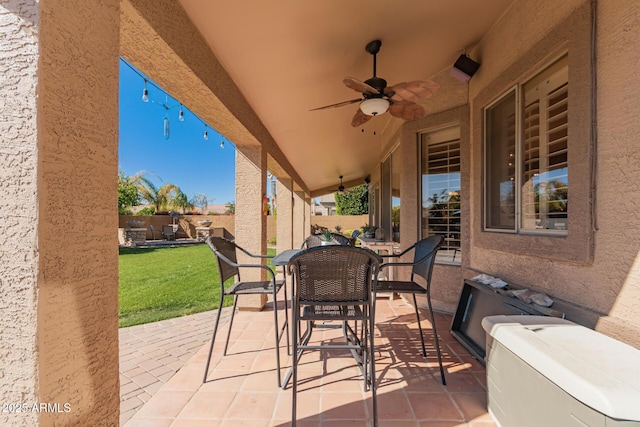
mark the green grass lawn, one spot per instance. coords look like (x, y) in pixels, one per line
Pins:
(162, 283)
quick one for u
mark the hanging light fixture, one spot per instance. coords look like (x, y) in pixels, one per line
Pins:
(374, 106)
(145, 92)
(206, 134)
(181, 114)
(222, 143)
(166, 127)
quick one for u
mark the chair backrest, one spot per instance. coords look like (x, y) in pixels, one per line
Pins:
(425, 255)
(225, 251)
(335, 274)
(153, 232)
(355, 233)
(341, 239)
(311, 241)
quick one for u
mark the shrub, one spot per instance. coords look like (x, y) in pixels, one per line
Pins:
(148, 211)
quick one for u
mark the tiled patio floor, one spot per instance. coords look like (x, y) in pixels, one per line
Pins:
(241, 389)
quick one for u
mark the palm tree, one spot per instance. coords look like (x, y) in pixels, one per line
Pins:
(182, 202)
(161, 197)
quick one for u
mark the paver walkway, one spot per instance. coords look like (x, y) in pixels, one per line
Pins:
(151, 354)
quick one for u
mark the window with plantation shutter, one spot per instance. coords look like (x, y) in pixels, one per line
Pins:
(533, 171)
(440, 169)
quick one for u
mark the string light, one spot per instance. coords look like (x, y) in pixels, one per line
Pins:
(180, 106)
(145, 92)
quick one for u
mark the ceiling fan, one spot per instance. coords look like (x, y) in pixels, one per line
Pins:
(377, 97)
(341, 188)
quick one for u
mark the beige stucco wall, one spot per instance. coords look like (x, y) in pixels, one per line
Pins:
(77, 121)
(59, 323)
(18, 209)
(597, 271)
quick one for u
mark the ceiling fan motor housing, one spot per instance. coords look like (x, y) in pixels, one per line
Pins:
(377, 83)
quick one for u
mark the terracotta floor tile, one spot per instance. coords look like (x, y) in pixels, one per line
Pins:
(165, 404)
(434, 406)
(207, 405)
(241, 387)
(191, 422)
(252, 406)
(472, 405)
(342, 406)
(394, 406)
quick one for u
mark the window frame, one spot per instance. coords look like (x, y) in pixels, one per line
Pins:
(518, 90)
(458, 256)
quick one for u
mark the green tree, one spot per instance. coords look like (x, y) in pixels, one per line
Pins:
(231, 208)
(181, 202)
(127, 193)
(160, 198)
(353, 202)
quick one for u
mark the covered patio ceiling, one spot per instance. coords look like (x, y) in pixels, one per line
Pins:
(288, 57)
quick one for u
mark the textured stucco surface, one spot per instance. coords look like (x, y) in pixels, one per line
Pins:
(18, 208)
(251, 224)
(284, 217)
(77, 171)
(597, 272)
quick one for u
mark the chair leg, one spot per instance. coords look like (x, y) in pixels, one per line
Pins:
(213, 338)
(415, 304)
(372, 367)
(294, 370)
(277, 335)
(233, 312)
(435, 338)
(286, 316)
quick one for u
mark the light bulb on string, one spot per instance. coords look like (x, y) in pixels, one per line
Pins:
(206, 134)
(145, 92)
(166, 127)
(181, 114)
(222, 143)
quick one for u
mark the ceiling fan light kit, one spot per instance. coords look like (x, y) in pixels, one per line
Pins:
(374, 106)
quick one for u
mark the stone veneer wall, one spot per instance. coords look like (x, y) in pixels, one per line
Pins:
(18, 209)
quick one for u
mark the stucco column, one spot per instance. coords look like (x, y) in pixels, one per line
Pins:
(59, 156)
(284, 216)
(251, 223)
(307, 215)
(298, 218)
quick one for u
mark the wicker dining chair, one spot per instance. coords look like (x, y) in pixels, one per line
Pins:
(424, 254)
(335, 283)
(228, 267)
(311, 242)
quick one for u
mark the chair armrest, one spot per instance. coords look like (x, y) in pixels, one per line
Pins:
(235, 264)
(410, 248)
(266, 267)
(397, 264)
(253, 255)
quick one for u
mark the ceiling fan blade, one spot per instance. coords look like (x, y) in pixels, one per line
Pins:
(413, 91)
(407, 110)
(358, 86)
(339, 104)
(359, 118)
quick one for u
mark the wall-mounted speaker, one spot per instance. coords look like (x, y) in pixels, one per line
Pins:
(464, 68)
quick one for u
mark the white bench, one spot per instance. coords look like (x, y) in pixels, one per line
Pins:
(545, 371)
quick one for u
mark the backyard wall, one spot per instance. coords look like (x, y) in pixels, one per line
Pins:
(188, 223)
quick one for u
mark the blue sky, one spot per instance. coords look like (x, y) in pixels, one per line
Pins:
(185, 159)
